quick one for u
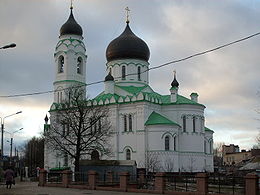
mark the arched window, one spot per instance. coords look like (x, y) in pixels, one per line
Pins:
(79, 65)
(125, 123)
(167, 143)
(94, 155)
(194, 123)
(174, 144)
(123, 72)
(139, 73)
(130, 122)
(61, 64)
(184, 123)
(128, 154)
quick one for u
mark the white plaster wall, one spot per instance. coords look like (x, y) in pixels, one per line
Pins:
(131, 70)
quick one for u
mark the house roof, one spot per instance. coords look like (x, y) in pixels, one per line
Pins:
(157, 119)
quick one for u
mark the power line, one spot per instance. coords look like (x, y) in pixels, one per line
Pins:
(152, 68)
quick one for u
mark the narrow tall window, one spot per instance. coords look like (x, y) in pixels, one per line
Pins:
(194, 123)
(123, 72)
(167, 143)
(210, 147)
(99, 125)
(61, 64)
(79, 65)
(184, 123)
(205, 147)
(174, 143)
(128, 154)
(139, 73)
(130, 122)
(125, 123)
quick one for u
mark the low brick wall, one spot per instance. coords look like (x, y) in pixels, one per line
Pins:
(159, 184)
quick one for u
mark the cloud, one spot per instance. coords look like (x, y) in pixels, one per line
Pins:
(227, 80)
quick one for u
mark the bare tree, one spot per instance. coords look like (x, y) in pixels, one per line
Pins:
(151, 162)
(192, 160)
(79, 128)
(168, 165)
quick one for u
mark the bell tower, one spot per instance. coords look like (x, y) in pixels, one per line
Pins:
(70, 59)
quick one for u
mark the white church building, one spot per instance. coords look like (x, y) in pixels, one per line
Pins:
(169, 128)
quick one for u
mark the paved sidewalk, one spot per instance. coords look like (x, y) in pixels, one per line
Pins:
(32, 188)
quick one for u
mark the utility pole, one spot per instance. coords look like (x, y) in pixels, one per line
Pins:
(11, 150)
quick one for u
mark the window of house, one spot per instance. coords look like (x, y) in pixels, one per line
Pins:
(125, 123)
(139, 73)
(174, 144)
(194, 123)
(123, 72)
(205, 145)
(79, 65)
(128, 154)
(130, 122)
(210, 147)
(61, 64)
(184, 123)
(167, 143)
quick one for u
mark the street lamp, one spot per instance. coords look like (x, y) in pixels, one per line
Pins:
(8, 46)
(11, 142)
(2, 132)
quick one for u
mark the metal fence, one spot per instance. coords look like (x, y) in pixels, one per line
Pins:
(226, 184)
(147, 183)
(79, 178)
(183, 183)
(54, 177)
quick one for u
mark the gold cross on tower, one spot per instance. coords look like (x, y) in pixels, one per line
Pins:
(71, 4)
(127, 14)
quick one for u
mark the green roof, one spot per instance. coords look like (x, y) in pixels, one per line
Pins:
(207, 129)
(102, 96)
(132, 89)
(166, 99)
(157, 119)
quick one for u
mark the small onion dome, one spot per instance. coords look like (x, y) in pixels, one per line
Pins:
(175, 82)
(109, 77)
(127, 45)
(71, 26)
(46, 119)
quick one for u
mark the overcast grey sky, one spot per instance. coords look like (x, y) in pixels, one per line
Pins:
(227, 80)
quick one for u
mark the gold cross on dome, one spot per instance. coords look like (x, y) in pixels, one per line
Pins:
(174, 73)
(71, 4)
(127, 14)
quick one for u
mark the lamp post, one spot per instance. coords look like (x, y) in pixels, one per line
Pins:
(8, 46)
(11, 142)
(2, 132)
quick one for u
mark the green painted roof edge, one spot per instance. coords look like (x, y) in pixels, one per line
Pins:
(157, 119)
(207, 129)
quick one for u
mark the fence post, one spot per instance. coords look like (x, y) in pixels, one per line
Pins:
(124, 180)
(42, 177)
(109, 177)
(66, 178)
(251, 184)
(141, 176)
(202, 183)
(160, 182)
(92, 179)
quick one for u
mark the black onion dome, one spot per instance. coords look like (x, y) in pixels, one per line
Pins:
(109, 77)
(175, 82)
(71, 26)
(127, 45)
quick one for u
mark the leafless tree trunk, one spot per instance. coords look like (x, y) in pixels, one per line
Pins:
(78, 127)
